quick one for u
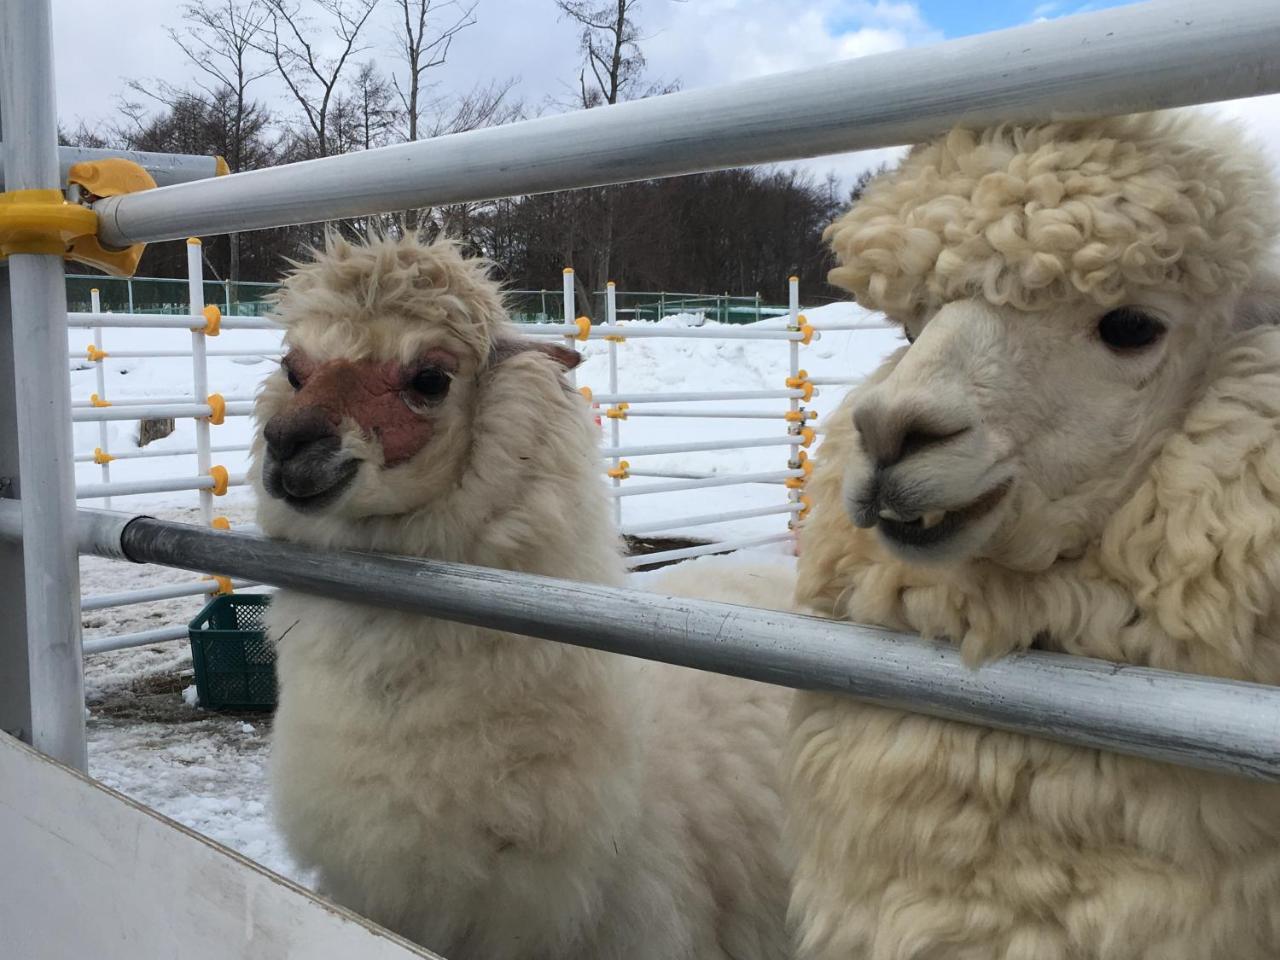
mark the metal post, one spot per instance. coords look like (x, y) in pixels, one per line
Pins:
(226, 288)
(129, 288)
(100, 375)
(15, 684)
(42, 383)
(611, 315)
(570, 315)
(199, 369)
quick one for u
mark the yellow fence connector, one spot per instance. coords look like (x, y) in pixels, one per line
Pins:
(800, 416)
(43, 221)
(586, 393)
(107, 178)
(584, 328)
(220, 166)
(621, 471)
(807, 502)
(212, 322)
(801, 382)
(618, 411)
(96, 401)
(223, 585)
(101, 456)
(807, 435)
(806, 329)
(218, 408)
(94, 354)
(220, 480)
(220, 523)
(804, 464)
(615, 338)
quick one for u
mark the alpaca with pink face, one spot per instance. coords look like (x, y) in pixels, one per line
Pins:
(488, 795)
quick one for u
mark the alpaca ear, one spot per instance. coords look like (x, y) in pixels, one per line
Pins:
(507, 348)
(1259, 305)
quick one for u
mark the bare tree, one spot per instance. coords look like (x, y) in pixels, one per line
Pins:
(424, 33)
(295, 45)
(365, 115)
(610, 44)
(219, 42)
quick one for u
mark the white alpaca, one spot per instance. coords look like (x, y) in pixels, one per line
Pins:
(1080, 452)
(487, 795)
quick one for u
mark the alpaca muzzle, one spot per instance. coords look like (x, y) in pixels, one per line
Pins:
(305, 465)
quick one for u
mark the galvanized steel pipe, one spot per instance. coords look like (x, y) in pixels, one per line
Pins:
(1127, 59)
(1193, 721)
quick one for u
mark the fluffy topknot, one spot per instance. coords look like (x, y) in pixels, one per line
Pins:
(1032, 216)
(347, 287)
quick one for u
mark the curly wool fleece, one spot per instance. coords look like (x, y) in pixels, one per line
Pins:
(1033, 216)
(921, 839)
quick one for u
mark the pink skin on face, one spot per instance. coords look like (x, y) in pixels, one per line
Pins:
(370, 392)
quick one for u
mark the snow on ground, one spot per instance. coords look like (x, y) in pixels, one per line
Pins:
(207, 770)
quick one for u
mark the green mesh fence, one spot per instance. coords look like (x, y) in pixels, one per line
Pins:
(154, 295)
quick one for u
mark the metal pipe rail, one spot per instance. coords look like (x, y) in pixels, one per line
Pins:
(1202, 722)
(155, 454)
(706, 518)
(704, 550)
(165, 168)
(711, 414)
(696, 396)
(141, 401)
(130, 488)
(177, 354)
(129, 598)
(94, 414)
(165, 321)
(775, 476)
(1122, 60)
(142, 638)
(608, 453)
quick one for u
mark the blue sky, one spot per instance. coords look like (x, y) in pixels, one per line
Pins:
(957, 19)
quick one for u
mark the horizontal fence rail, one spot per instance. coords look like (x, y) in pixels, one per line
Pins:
(166, 169)
(1200, 722)
(1127, 59)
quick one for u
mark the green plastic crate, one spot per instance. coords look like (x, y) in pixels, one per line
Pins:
(234, 663)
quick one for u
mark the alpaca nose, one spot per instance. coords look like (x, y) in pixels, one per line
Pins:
(893, 431)
(287, 434)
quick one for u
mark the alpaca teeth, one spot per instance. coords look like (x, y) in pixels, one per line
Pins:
(930, 520)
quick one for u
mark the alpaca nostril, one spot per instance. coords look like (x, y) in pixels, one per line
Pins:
(891, 433)
(922, 437)
(288, 433)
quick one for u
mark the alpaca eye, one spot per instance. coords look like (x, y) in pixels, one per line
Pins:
(430, 384)
(1129, 329)
(293, 379)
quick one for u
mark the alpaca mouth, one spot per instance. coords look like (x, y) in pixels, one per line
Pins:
(937, 526)
(308, 490)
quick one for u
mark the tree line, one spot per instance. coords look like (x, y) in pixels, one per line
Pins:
(738, 231)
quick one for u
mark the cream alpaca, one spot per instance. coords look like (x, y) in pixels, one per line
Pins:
(1080, 452)
(487, 795)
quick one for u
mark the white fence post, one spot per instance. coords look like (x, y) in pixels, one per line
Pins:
(793, 351)
(199, 369)
(611, 317)
(570, 315)
(100, 373)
